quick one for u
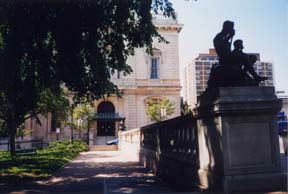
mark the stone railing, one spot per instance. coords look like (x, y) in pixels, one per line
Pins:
(170, 150)
(129, 142)
(231, 144)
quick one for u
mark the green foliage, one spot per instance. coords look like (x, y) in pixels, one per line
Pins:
(82, 111)
(46, 162)
(65, 146)
(21, 131)
(57, 104)
(154, 106)
(46, 44)
(75, 42)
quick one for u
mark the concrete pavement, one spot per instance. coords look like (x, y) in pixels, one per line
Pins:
(99, 172)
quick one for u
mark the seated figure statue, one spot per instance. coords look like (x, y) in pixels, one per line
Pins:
(241, 65)
(234, 68)
(219, 75)
(222, 42)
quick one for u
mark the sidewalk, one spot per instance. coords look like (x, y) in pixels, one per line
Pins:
(109, 172)
(98, 173)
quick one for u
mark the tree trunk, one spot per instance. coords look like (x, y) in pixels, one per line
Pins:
(12, 127)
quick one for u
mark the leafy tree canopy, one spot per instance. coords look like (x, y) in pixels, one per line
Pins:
(156, 105)
(75, 43)
(82, 111)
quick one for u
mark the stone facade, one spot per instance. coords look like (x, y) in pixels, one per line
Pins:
(160, 79)
(148, 81)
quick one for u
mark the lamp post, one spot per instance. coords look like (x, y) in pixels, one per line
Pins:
(57, 133)
(71, 127)
(162, 113)
(88, 130)
(79, 124)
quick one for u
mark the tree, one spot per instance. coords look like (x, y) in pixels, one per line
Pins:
(46, 44)
(57, 104)
(82, 113)
(156, 105)
(3, 131)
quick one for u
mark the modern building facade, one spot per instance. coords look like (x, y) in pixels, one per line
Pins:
(154, 76)
(197, 74)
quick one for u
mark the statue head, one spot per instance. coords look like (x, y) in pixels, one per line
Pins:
(238, 44)
(228, 27)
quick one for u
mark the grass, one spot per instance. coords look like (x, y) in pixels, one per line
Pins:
(42, 164)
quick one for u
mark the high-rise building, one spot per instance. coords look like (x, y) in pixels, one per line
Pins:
(197, 74)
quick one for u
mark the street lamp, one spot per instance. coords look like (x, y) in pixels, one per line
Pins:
(57, 133)
(88, 130)
(79, 124)
(162, 113)
(71, 128)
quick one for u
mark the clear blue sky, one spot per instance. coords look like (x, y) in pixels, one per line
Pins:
(261, 24)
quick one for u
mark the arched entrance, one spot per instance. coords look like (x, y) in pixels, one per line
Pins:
(106, 126)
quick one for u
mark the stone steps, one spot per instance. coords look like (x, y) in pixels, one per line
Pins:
(103, 148)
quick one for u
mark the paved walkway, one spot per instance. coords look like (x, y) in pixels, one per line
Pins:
(109, 172)
(100, 173)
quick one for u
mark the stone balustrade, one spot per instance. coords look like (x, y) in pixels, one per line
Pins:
(168, 149)
(129, 142)
(230, 143)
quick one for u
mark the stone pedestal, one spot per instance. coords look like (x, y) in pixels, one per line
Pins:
(238, 140)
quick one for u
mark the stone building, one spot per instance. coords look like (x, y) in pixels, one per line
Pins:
(154, 76)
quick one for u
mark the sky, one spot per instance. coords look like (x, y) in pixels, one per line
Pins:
(261, 24)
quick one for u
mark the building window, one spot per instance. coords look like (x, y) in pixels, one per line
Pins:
(154, 68)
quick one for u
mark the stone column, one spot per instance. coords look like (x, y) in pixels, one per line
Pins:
(238, 140)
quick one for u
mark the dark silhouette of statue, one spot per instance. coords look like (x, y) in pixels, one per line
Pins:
(241, 64)
(235, 67)
(222, 42)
